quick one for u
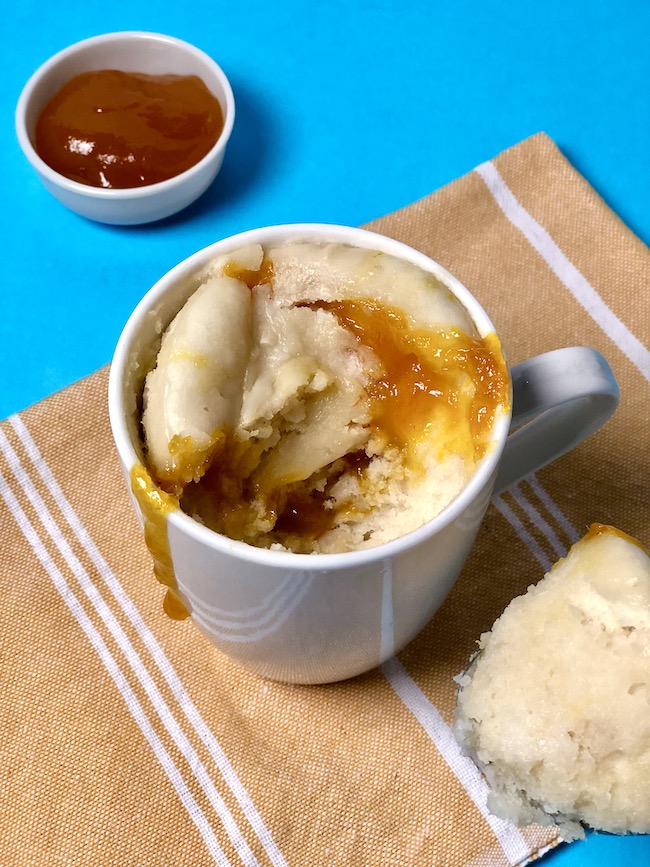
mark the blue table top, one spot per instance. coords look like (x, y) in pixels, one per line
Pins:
(345, 112)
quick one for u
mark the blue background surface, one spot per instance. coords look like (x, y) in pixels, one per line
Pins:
(345, 111)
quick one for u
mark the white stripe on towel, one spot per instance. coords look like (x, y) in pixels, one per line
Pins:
(115, 672)
(508, 835)
(109, 620)
(565, 270)
(159, 657)
(554, 510)
(526, 537)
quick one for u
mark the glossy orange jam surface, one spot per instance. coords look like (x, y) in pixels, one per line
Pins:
(155, 505)
(251, 278)
(119, 130)
(424, 374)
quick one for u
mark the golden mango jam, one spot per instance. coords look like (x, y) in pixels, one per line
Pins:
(114, 129)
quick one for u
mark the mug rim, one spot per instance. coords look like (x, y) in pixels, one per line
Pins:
(324, 232)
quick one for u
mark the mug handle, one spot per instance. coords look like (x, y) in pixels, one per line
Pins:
(558, 399)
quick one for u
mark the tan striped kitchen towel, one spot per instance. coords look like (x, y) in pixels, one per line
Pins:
(127, 740)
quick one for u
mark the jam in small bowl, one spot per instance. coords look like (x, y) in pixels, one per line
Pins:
(126, 127)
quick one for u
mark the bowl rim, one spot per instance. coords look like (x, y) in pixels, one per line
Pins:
(120, 193)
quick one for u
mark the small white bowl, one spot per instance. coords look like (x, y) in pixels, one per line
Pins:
(129, 51)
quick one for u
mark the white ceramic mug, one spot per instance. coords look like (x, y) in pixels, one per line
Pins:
(315, 618)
